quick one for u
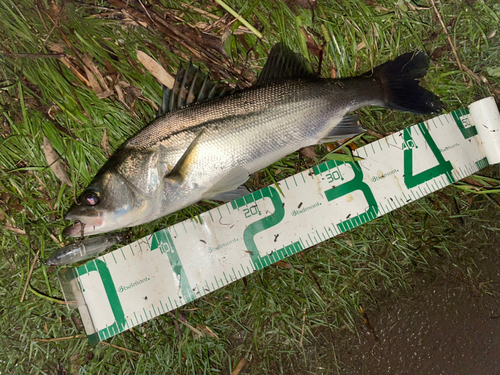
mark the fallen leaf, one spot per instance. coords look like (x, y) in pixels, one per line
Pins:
(87, 60)
(105, 94)
(119, 91)
(309, 152)
(94, 85)
(333, 72)
(54, 9)
(133, 93)
(56, 47)
(156, 69)
(311, 44)
(283, 264)
(105, 144)
(54, 162)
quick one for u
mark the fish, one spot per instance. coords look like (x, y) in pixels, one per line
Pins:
(207, 149)
(83, 250)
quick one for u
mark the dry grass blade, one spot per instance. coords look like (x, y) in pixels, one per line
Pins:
(156, 70)
(29, 275)
(201, 46)
(66, 61)
(61, 338)
(303, 328)
(8, 226)
(54, 162)
(184, 321)
(207, 331)
(121, 348)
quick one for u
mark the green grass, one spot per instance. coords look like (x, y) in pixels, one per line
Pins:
(260, 318)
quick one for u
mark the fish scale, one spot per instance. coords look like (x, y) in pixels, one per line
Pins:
(186, 261)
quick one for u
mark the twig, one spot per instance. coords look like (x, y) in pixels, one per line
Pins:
(239, 366)
(239, 18)
(14, 229)
(121, 348)
(447, 35)
(60, 338)
(34, 55)
(368, 324)
(29, 274)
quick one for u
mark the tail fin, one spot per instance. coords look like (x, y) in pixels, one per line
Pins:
(402, 90)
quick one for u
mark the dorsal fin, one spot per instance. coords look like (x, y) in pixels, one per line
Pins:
(190, 86)
(283, 63)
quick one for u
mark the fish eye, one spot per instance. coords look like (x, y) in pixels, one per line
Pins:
(90, 199)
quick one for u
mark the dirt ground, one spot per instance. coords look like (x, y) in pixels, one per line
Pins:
(449, 324)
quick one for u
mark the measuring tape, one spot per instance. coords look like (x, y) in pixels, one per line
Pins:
(181, 263)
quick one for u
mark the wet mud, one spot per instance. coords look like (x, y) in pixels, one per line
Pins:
(450, 324)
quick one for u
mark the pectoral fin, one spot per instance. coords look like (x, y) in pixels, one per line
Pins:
(181, 169)
(228, 187)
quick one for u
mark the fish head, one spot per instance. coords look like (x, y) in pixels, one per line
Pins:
(124, 193)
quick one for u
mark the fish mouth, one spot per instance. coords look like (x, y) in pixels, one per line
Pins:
(84, 228)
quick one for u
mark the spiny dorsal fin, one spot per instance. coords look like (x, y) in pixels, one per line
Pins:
(190, 86)
(283, 63)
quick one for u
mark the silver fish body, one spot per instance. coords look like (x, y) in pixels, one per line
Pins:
(209, 148)
(83, 250)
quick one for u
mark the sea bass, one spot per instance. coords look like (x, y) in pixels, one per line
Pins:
(208, 149)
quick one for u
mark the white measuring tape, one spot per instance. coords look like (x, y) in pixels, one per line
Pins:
(179, 264)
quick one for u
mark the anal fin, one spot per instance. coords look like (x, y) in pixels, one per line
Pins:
(348, 127)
